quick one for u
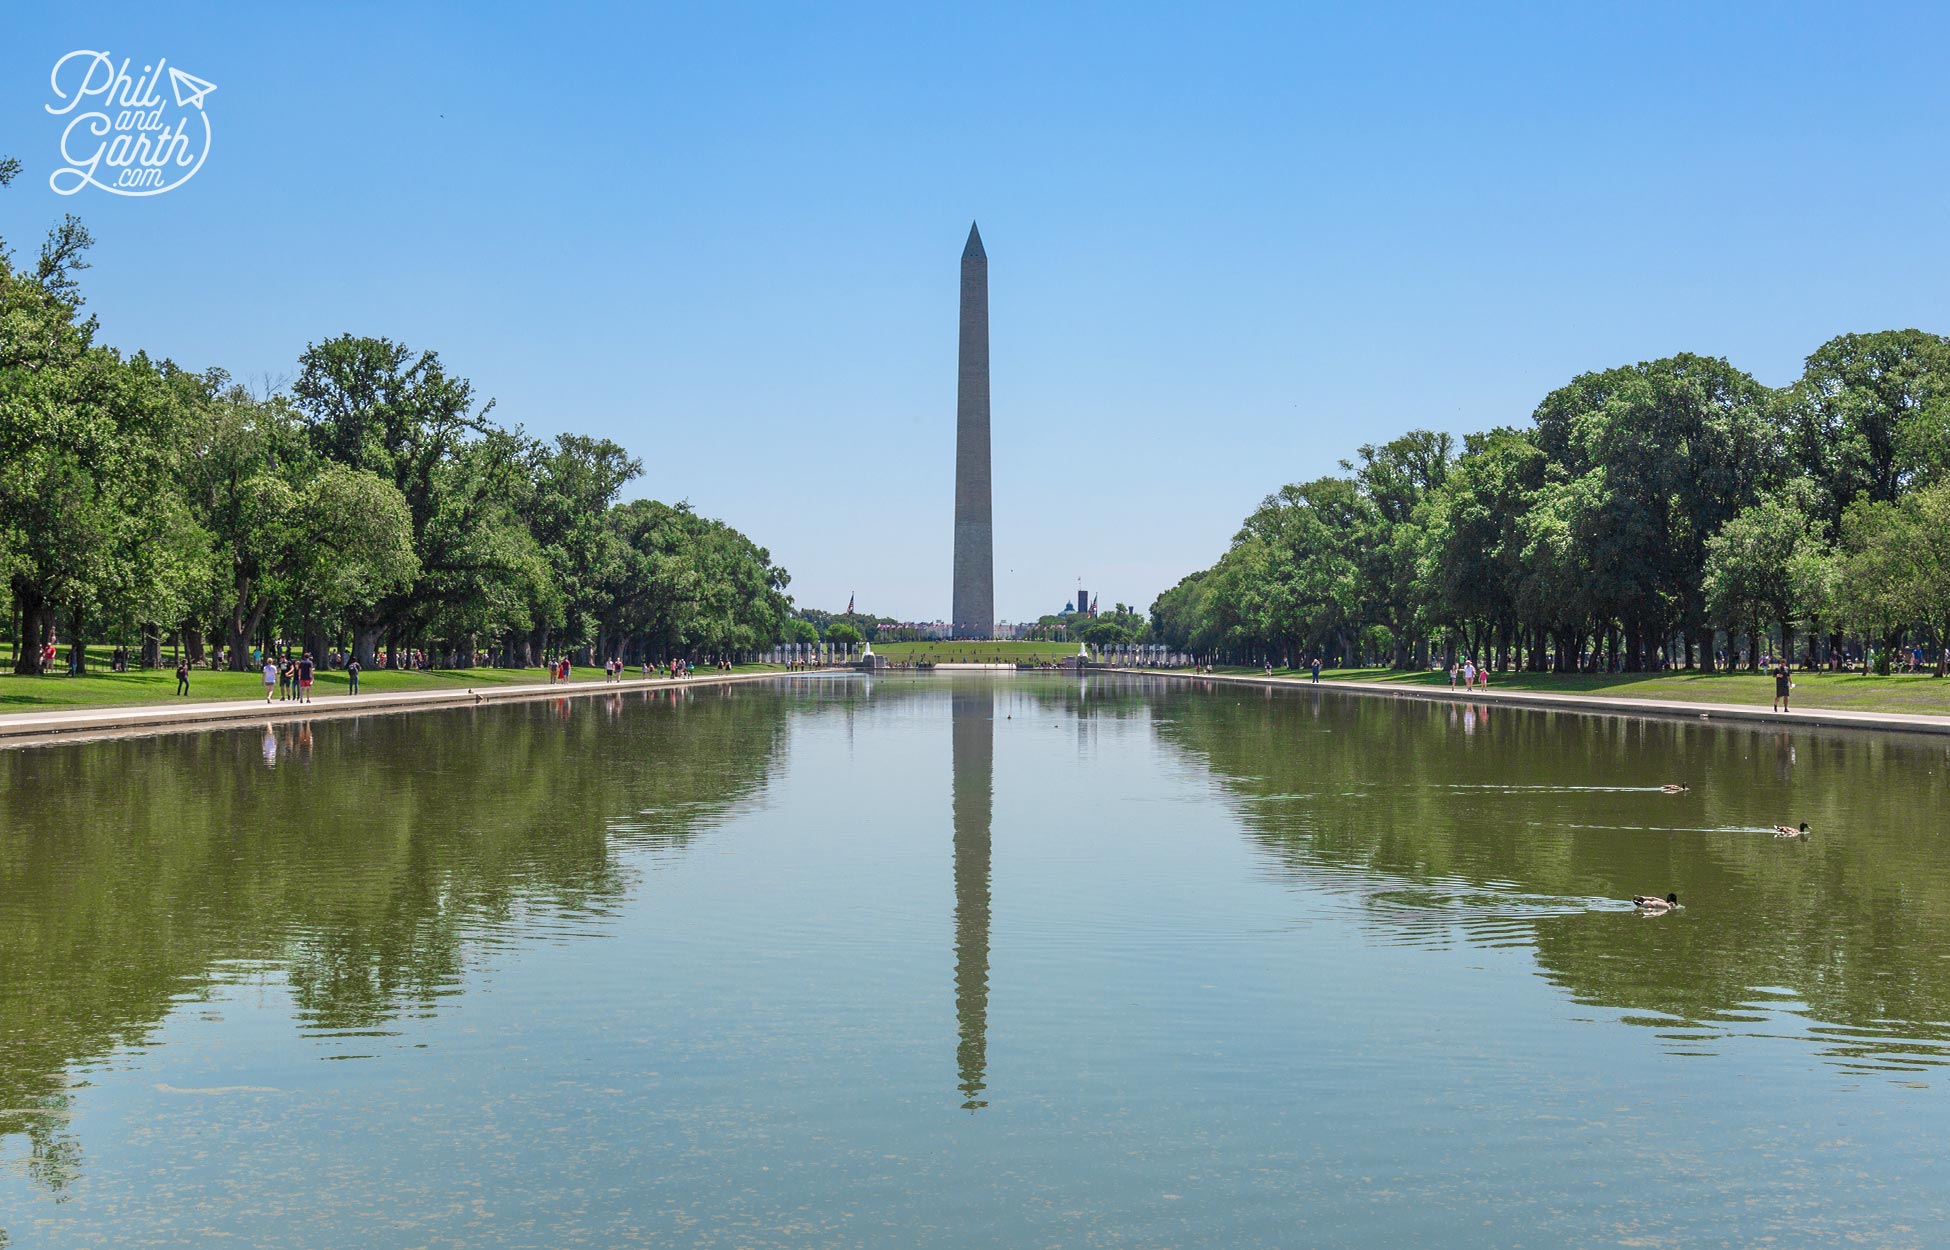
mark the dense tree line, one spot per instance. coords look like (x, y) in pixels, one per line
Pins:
(1670, 513)
(372, 504)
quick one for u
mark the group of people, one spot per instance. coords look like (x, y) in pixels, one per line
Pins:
(289, 676)
(1913, 659)
(560, 668)
(1472, 677)
(672, 668)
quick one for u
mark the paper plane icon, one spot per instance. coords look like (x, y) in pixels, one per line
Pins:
(190, 89)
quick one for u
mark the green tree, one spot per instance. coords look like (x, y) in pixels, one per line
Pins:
(1105, 632)
(348, 541)
(91, 518)
(1895, 567)
(376, 405)
(1297, 578)
(576, 480)
(1476, 539)
(1669, 451)
(690, 584)
(1869, 415)
(1926, 540)
(1873, 571)
(1756, 571)
(1178, 614)
(1397, 479)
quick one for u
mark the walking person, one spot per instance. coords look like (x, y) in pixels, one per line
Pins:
(352, 673)
(182, 677)
(270, 678)
(306, 669)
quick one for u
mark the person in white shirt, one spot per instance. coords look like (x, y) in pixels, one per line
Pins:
(270, 677)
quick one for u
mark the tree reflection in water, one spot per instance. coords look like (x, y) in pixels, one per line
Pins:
(1508, 825)
(364, 867)
(371, 868)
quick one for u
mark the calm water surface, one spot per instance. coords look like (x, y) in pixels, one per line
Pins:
(974, 962)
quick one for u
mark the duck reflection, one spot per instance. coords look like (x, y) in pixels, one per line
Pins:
(972, 729)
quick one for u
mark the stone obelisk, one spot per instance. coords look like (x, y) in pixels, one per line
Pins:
(974, 529)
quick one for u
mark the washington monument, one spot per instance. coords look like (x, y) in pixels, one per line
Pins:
(974, 532)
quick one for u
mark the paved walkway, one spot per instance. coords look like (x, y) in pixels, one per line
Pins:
(1588, 704)
(25, 727)
(21, 727)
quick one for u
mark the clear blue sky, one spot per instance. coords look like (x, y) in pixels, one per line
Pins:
(1226, 246)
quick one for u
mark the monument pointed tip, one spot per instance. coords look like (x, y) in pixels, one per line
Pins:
(974, 249)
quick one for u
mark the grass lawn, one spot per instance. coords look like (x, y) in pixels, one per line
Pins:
(1852, 692)
(102, 688)
(976, 652)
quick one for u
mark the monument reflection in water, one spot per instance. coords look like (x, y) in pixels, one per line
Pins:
(972, 733)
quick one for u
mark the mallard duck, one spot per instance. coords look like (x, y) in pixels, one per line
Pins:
(1675, 787)
(1783, 831)
(1652, 902)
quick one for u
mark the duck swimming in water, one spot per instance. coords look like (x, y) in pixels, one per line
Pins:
(1675, 787)
(1653, 903)
(1782, 831)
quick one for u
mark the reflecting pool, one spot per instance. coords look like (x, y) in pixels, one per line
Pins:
(982, 961)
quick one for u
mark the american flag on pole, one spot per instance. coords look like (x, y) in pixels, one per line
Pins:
(849, 603)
